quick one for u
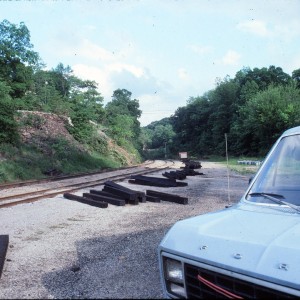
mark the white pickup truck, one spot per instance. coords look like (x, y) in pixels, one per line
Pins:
(249, 250)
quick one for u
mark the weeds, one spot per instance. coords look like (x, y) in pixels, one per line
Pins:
(30, 162)
(32, 120)
(235, 166)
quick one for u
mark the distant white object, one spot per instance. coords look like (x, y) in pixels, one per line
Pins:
(183, 154)
(250, 162)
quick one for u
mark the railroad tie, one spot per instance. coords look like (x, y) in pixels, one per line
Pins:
(150, 182)
(168, 197)
(106, 194)
(86, 200)
(130, 197)
(152, 199)
(157, 181)
(4, 239)
(140, 195)
(110, 200)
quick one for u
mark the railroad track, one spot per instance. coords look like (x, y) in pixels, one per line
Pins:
(61, 177)
(41, 189)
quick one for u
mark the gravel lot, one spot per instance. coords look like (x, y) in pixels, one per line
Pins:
(64, 249)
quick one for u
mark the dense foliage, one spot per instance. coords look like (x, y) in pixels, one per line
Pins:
(122, 115)
(25, 84)
(157, 139)
(253, 109)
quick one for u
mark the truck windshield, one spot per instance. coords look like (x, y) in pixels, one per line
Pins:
(280, 176)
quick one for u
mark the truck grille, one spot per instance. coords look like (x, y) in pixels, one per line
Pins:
(198, 290)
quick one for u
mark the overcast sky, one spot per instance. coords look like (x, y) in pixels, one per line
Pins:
(162, 51)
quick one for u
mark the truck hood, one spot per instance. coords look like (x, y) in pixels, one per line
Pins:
(243, 240)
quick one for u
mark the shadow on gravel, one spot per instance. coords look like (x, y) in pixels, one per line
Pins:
(118, 266)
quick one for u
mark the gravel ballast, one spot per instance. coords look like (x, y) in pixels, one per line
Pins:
(59, 248)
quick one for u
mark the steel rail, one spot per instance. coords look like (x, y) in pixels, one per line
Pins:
(52, 192)
(70, 176)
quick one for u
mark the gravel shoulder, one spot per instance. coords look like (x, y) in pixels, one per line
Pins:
(64, 249)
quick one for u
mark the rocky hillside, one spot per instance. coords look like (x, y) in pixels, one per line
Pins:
(41, 129)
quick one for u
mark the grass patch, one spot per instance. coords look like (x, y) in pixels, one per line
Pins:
(235, 166)
(30, 162)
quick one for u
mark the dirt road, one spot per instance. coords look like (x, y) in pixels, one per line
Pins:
(64, 249)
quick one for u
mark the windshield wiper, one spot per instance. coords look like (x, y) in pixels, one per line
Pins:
(273, 198)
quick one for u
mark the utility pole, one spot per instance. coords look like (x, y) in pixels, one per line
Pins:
(227, 166)
(165, 150)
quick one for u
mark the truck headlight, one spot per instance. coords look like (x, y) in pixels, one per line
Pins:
(173, 269)
(174, 278)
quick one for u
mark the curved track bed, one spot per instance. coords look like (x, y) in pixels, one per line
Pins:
(30, 191)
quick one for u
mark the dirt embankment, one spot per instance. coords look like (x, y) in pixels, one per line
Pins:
(35, 123)
(41, 128)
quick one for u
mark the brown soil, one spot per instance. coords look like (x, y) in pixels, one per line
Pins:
(41, 128)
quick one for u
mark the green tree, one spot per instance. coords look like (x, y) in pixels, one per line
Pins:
(82, 129)
(162, 134)
(296, 77)
(247, 91)
(121, 129)
(17, 59)
(223, 107)
(123, 105)
(8, 125)
(201, 125)
(15, 43)
(266, 116)
(86, 109)
(61, 78)
(83, 93)
(43, 95)
(146, 137)
(263, 77)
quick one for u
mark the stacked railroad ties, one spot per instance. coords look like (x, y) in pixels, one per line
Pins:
(116, 194)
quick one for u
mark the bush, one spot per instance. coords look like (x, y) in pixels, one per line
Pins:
(32, 120)
(8, 125)
(29, 162)
(98, 143)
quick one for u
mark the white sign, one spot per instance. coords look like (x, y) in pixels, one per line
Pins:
(183, 154)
